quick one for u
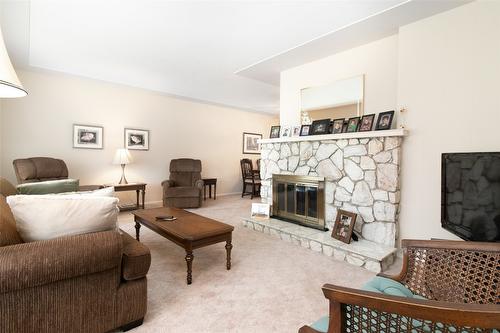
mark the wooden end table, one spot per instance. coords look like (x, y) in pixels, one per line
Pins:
(190, 231)
(139, 188)
(209, 182)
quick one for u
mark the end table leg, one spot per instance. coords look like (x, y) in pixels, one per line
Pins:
(143, 197)
(229, 246)
(137, 229)
(189, 261)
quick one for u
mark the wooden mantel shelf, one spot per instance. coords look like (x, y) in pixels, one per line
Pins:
(355, 135)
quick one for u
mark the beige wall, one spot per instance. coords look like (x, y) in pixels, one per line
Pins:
(42, 125)
(445, 70)
(377, 60)
(449, 72)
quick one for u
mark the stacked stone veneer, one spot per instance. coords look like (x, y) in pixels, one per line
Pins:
(361, 176)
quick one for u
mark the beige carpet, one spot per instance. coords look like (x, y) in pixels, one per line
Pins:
(273, 286)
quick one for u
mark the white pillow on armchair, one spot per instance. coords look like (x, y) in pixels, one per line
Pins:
(42, 217)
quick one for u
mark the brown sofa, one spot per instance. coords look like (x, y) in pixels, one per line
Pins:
(87, 283)
(183, 188)
(39, 169)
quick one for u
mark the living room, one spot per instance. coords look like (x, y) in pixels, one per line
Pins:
(144, 96)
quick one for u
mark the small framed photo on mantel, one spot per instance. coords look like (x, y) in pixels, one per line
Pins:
(136, 139)
(384, 121)
(87, 136)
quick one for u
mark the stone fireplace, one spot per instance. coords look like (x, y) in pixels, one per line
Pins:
(360, 171)
(299, 199)
(357, 172)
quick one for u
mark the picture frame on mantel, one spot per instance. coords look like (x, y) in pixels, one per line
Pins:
(384, 121)
(344, 225)
(319, 127)
(88, 136)
(250, 143)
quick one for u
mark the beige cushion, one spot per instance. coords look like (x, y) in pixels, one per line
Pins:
(42, 217)
(8, 232)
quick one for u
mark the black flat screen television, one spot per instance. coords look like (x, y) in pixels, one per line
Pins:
(470, 195)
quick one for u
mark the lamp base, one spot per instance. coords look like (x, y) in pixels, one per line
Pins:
(123, 180)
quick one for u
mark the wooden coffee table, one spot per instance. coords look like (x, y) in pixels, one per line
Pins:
(190, 231)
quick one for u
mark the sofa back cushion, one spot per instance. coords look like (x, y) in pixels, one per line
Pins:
(42, 217)
(8, 231)
(49, 187)
(37, 169)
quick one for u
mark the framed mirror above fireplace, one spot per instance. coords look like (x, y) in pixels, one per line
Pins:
(299, 199)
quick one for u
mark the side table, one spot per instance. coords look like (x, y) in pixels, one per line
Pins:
(209, 182)
(139, 188)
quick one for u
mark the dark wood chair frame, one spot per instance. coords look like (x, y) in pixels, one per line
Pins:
(250, 178)
(469, 301)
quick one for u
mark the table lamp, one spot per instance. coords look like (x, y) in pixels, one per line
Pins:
(122, 157)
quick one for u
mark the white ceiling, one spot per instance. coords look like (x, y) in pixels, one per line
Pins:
(186, 48)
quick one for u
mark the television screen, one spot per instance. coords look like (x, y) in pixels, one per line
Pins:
(470, 195)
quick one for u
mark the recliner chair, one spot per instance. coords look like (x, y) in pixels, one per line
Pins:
(184, 187)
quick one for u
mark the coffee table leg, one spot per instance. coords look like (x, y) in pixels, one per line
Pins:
(137, 228)
(189, 261)
(229, 246)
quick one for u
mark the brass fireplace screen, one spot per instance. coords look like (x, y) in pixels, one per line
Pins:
(299, 199)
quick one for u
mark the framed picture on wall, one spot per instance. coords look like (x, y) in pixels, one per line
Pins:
(136, 139)
(87, 136)
(344, 225)
(250, 144)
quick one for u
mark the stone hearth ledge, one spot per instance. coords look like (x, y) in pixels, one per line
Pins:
(363, 253)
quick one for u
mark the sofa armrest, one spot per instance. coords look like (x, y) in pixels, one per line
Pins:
(167, 183)
(33, 264)
(199, 184)
(136, 258)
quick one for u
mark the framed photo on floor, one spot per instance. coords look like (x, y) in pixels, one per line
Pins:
(136, 139)
(87, 136)
(344, 225)
(250, 144)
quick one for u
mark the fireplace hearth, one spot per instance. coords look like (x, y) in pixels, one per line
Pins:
(299, 199)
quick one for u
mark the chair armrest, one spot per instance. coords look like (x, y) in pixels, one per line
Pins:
(199, 184)
(167, 183)
(33, 264)
(308, 329)
(408, 311)
(136, 258)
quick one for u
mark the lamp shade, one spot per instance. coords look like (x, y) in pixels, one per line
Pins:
(122, 156)
(10, 86)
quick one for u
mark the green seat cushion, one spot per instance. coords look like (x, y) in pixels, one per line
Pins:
(48, 187)
(388, 287)
(321, 325)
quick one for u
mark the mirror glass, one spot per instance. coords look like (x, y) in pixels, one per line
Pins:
(340, 99)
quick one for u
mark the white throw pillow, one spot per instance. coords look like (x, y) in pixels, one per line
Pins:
(41, 217)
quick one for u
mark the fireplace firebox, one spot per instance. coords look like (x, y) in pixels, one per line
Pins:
(299, 199)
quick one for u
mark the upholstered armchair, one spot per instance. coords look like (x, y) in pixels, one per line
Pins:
(39, 169)
(184, 187)
(457, 288)
(92, 282)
